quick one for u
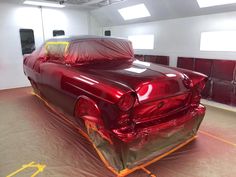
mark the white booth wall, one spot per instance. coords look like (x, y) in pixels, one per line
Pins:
(180, 37)
(43, 21)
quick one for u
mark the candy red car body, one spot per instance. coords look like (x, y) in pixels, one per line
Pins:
(97, 80)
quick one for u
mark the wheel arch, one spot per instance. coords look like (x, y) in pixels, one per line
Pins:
(88, 104)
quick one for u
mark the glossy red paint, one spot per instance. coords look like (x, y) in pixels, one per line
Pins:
(125, 97)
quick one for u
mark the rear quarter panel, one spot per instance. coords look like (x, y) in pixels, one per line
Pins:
(64, 85)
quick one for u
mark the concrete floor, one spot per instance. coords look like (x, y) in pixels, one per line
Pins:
(29, 131)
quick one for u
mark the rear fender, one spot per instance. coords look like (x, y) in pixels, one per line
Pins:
(87, 109)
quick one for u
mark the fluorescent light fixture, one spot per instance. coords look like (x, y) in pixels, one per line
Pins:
(218, 41)
(142, 41)
(43, 3)
(133, 12)
(210, 3)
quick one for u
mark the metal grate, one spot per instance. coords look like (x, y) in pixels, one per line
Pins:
(88, 3)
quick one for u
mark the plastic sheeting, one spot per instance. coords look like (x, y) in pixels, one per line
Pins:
(31, 131)
(126, 156)
(93, 50)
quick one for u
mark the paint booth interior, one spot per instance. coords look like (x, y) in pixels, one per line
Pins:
(158, 39)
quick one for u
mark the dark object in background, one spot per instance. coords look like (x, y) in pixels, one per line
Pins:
(185, 63)
(139, 57)
(107, 33)
(27, 41)
(163, 60)
(221, 85)
(203, 66)
(222, 91)
(58, 33)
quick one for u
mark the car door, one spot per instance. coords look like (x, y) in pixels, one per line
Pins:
(52, 71)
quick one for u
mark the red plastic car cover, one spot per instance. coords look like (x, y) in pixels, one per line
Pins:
(99, 49)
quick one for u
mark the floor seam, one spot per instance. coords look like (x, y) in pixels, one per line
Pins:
(148, 172)
(217, 138)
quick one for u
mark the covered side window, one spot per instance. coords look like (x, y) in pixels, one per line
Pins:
(92, 50)
(56, 50)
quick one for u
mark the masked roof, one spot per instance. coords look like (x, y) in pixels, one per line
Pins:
(83, 49)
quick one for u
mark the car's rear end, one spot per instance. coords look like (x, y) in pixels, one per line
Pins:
(157, 117)
(160, 110)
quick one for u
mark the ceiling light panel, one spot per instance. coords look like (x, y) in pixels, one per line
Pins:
(134, 12)
(210, 3)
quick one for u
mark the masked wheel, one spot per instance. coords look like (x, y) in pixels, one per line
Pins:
(104, 147)
(92, 131)
(35, 87)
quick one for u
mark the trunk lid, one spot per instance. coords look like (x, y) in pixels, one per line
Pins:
(150, 81)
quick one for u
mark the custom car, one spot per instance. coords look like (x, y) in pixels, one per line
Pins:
(132, 110)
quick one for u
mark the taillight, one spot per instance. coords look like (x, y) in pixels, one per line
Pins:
(126, 102)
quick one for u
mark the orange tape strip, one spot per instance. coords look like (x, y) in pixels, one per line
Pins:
(148, 172)
(217, 138)
(126, 171)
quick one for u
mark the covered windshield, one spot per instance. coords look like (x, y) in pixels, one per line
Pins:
(99, 49)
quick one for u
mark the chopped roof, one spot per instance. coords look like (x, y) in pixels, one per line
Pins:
(95, 48)
(82, 37)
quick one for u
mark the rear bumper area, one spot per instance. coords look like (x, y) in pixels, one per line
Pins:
(156, 140)
(153, 127)
(152, 141)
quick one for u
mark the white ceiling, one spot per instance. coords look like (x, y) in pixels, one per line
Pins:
(159, 9)
(85, 4)
(105, 11)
